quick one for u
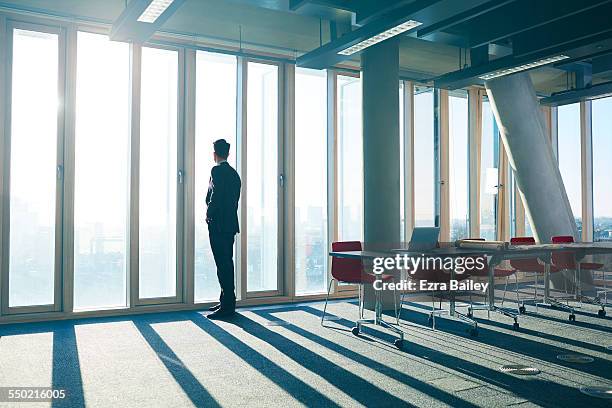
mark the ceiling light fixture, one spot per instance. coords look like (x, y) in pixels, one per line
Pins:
(154, 10)
(392, 32)
(523, 67)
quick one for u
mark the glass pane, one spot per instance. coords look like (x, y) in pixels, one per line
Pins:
(215, 119)
(602, 168)
(350, 160)
(423, 158)
(158, 173)
(458, 166)
(101, 172)
(569, 157)
(310, 181)
(262, 170)
(489, 152)
(33, 168)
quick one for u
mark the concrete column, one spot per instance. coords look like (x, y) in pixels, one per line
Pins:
(381, 149)
(524, 134)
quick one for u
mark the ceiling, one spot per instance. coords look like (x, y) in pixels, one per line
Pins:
(457, 42)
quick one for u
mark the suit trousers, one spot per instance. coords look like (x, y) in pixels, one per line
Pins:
(222, 245)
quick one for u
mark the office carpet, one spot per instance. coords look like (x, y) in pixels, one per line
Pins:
(280, 356)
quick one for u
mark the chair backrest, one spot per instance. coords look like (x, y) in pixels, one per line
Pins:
(563, 260)
(527, 264)
(347, 269)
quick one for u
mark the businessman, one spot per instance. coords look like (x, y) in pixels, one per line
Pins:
(222, 219)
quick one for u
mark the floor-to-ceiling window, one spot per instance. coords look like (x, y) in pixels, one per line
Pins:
(489, 173)
(350, 159)
(102, 147)
(423, 157)
(602, 168)
(458, 165)
(215, 119)
(569, 156)
(310, 181)
(262, 177)
(158, 174)
(35, 177)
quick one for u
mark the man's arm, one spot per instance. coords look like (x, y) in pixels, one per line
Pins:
(216, 194)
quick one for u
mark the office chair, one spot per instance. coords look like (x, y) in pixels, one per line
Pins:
(440, 276)
(529, 265)
(351, 271)
(498, 272)
(567, 260)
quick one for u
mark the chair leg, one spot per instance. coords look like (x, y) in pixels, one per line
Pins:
(505, 288)
(326, 299)
(516, 289)
(397, 311)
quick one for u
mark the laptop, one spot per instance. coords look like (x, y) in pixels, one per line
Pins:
(424, 238)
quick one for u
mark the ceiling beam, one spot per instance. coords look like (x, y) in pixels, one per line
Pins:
(578, 28)
(462, 17)
(375, 8)
(327, 55)
(577, 95)
(523, 15)
(346, 5)
(128, 28)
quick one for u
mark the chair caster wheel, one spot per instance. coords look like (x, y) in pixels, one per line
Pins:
(601, 313)
(515, 326)
(355, 330)
(522, 310)
(399, 343)
(473, 332)
(572, 317)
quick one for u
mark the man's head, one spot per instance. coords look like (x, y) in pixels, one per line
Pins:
(221, 148)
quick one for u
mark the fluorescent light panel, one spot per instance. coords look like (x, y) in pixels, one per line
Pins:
(155, 9)
(392, 32)
(524, 67)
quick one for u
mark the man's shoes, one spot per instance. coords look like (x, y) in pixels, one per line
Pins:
(215, 307)
(221, 314)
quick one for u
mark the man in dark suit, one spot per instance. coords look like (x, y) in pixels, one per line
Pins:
(222, 218)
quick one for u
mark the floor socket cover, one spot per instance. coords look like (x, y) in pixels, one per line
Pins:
(598, 392)
(575, 358)
(519, 369)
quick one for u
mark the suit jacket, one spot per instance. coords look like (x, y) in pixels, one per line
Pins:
(222, 199)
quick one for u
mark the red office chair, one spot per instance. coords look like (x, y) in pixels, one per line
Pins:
(528, 265)
(499, 272)
(351, 271)
(566, 260)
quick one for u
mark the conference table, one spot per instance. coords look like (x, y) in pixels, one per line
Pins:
(496, 253)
